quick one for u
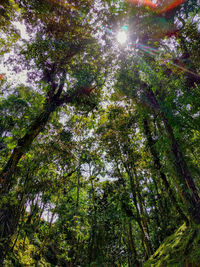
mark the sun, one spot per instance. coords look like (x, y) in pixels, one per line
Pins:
(121, 37)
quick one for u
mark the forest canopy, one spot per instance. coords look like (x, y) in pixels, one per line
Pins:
(99, 132)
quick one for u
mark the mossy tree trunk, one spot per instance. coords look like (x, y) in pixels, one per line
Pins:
(54, 99)
(158, 167)
(185, 179)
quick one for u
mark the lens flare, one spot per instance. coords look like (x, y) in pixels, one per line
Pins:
(121, 37)
(2, 75)
(159, 7)
(179, 65)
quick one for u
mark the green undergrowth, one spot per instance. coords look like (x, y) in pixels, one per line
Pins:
(179, 249)
(25, 254)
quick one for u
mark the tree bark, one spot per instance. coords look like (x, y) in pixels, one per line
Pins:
(141, 220)
(132, 246)
(158, 167)
(185, 179)
(54, 99)
(23, 145)
(143, 215)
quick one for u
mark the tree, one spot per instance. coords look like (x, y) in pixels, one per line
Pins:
(150, 94)
(99, 153)
(69, 73)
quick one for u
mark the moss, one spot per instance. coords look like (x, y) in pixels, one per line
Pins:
(24, 255)
(179, 249)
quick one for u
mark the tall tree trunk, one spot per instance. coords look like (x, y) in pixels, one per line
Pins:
(145, 241)
(23, 145)
(158, 167)
(74, 240)
(173, 174)
(53, 101)
(6, 177)
(143, 215)
(132, 246)
(185, 179)
(92, 253)
(141, 221)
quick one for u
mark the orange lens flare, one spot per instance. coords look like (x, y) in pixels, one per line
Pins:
(170, 6)
(2, 76)
(158, 7)
(148, 3)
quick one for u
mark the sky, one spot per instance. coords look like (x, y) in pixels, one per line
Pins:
(11, 76)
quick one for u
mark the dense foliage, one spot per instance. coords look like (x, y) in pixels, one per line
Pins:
(100, 146)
